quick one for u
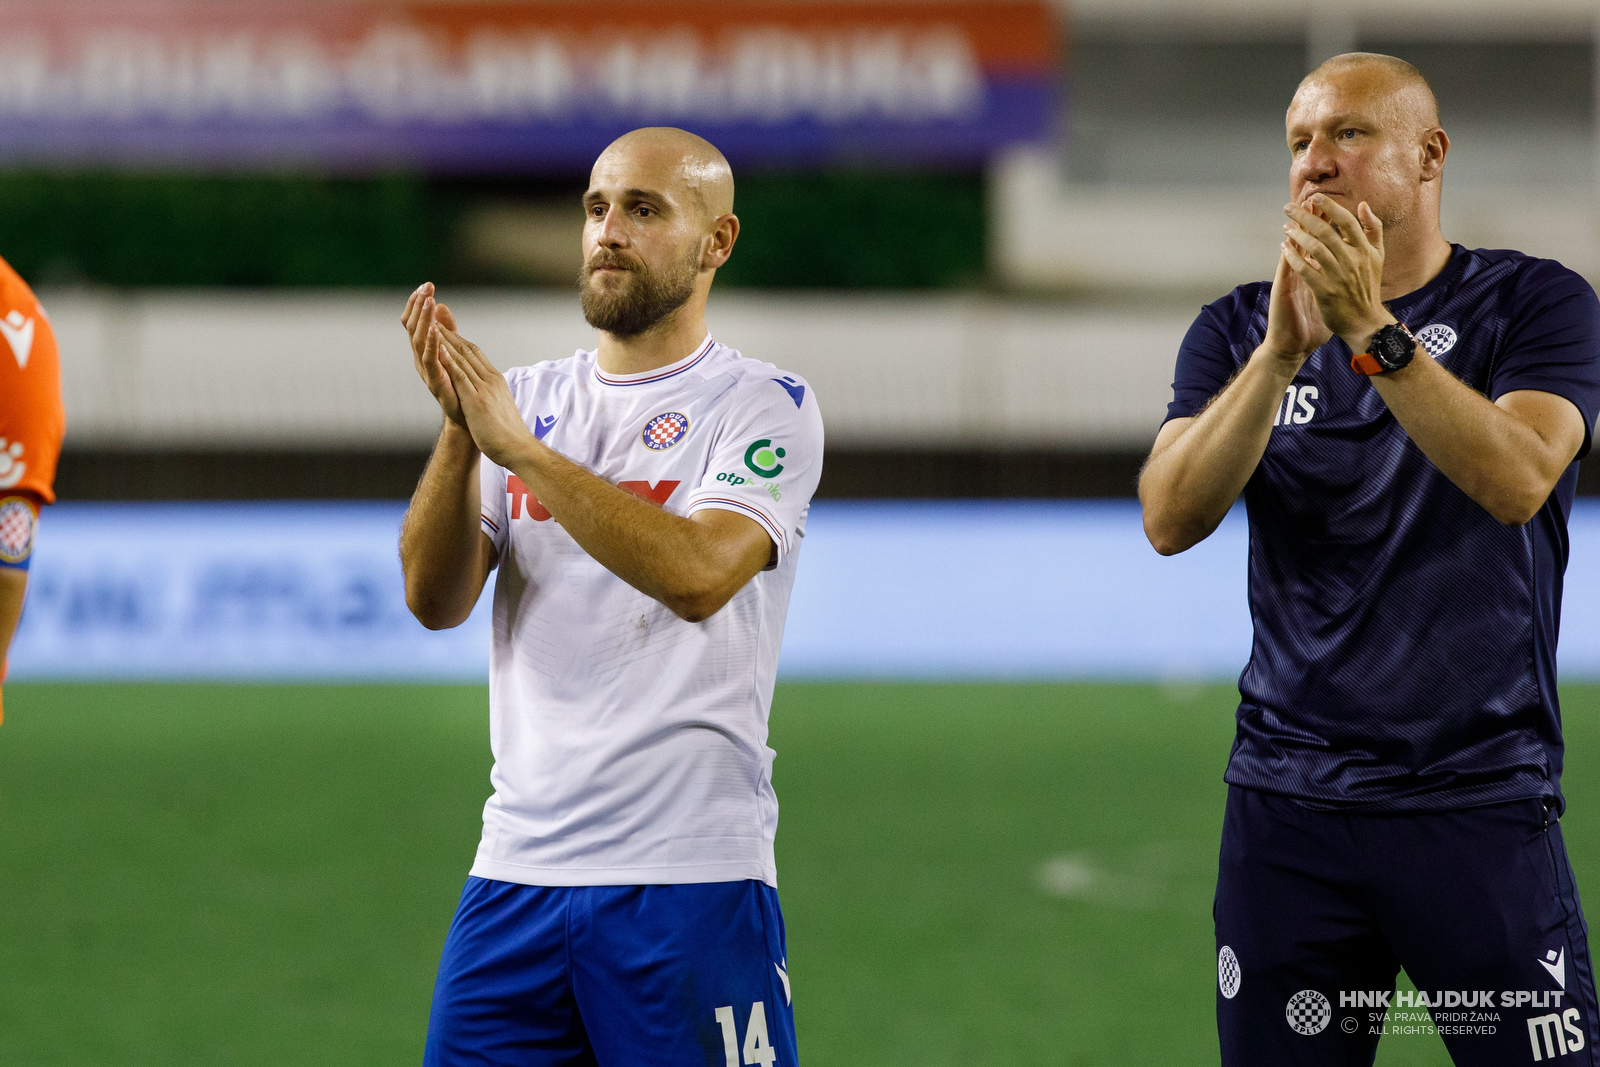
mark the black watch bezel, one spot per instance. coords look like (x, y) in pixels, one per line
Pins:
(1393, 346)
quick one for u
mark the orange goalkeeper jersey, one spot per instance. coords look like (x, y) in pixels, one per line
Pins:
(32, 420)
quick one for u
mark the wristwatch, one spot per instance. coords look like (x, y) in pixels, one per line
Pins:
(1392, 348)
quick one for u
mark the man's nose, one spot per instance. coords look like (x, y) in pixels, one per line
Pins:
(613, 234)
(1317, 163)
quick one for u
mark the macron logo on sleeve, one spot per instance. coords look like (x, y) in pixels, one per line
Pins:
(18, 332)
(796, 391)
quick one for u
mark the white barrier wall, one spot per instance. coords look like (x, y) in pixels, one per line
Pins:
(1056, 235)
(334, 368)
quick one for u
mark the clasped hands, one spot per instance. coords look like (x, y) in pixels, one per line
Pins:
(1329, 279)
(472, 394)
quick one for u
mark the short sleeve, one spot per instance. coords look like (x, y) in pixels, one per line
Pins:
(492, 493)
(767, 459)
(1553, 342)
(32, 420)
(1205, 363)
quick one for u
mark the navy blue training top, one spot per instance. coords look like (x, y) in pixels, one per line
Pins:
(1405, 640)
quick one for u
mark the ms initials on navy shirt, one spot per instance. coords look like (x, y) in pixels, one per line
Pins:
(1405, 640)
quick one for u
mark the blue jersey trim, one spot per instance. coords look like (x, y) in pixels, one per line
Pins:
(662, 375)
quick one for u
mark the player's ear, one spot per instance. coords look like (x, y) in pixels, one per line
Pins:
(724, 232)
(1435, 146)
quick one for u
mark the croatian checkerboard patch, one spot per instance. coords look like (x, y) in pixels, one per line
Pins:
(1308, 1012)
(1436, 339)
(16, 530)
(665, 430)
(1228, 976)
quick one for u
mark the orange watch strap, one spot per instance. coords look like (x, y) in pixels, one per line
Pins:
(1365, 363)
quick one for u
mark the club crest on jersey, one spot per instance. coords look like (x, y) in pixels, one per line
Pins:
(16, 530)
(1436, 339)
(665, 430)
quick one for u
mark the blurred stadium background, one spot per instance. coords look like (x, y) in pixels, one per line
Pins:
(239, 787)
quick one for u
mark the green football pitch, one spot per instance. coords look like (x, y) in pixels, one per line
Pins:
(972, 875)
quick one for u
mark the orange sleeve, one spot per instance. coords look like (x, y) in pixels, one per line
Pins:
(32, 420)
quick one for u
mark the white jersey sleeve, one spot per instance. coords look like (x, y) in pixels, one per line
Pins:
(767, 460)
(492, 502)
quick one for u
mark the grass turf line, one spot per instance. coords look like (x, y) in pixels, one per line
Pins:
(264, 874)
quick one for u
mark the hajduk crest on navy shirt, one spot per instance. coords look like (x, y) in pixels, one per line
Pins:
(630, 745)
(1405, 640)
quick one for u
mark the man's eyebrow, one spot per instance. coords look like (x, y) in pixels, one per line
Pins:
(626, 196)
(1344, 118)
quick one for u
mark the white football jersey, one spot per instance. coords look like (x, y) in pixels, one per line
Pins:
(630, 746)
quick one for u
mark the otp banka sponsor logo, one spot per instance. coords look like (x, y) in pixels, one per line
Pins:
(762, 458)
(1298, 407)
(732, 478)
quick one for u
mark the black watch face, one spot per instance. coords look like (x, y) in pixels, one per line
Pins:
(1395, 347)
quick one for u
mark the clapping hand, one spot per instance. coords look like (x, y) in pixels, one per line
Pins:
(419, 319)
(485, 400)
(1294, 323)
(1339, 257)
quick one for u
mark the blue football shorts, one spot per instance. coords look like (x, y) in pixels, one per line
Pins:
(613, 976)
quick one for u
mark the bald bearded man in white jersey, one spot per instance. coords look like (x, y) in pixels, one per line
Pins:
(644, 504)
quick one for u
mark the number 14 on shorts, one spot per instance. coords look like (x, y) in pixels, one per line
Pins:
(757, 1047)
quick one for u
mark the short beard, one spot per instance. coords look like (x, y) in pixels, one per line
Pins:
(641, 303)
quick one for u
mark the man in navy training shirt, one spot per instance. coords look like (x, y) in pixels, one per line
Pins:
(1394, 786)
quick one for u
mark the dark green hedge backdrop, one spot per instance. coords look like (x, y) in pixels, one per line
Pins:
(834, 230)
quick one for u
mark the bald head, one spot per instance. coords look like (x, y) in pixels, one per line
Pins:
(1400, 87)
(1364, 128)
(676, 159)
(658, 224)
